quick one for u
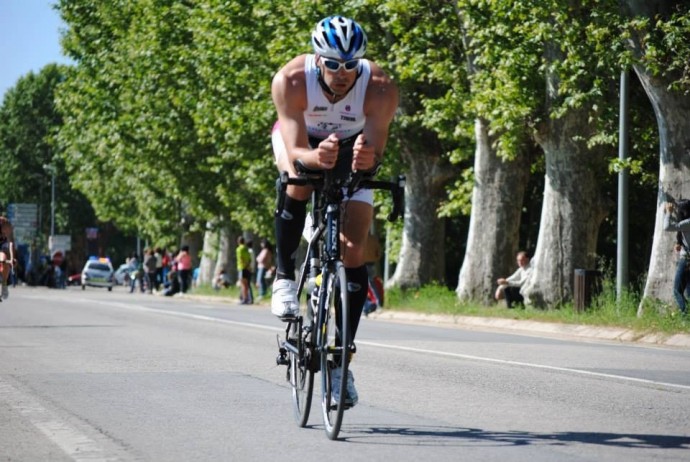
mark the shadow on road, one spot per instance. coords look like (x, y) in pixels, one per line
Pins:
(433, 436)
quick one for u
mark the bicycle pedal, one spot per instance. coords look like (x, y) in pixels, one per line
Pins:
(282, 358)
(334, 407)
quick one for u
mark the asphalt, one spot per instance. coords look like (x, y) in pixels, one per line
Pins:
(551, 329)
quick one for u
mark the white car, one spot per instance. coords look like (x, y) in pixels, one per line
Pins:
(122, 277)
(98, 273)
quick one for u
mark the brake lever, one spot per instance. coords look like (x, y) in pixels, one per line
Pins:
(281, 188)
(398, 192)
(355, 178)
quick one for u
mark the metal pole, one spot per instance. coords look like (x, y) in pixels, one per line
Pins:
(52, 201)
(386, 266)
(622, 248)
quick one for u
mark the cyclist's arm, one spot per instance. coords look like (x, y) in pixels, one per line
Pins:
(290, 98)
(379, 107)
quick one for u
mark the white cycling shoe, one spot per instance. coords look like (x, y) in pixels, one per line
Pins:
(284, 300)
(351, 396)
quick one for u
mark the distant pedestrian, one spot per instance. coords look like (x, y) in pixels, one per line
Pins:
(677, 218)
(244, 264)
(264, 266)
(184, 268)
(151, 269)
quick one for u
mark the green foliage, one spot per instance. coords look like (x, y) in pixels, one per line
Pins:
(606, 310)
(665, 43)
(28, 124)
(167, 112)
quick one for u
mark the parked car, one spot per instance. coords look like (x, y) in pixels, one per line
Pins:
(122, 274)
(98, 273)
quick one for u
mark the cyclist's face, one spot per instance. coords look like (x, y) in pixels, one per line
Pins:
(339, 81)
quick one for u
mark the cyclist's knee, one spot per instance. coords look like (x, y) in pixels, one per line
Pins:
(300, 193)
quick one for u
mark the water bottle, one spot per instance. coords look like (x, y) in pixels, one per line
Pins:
(314, 284)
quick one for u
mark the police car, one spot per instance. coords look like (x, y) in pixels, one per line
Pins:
(98, 272)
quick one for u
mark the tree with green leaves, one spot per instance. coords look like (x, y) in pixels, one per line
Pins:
(657, 34)
(29, 122)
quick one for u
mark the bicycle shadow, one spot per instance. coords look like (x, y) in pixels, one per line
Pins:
(445, 436)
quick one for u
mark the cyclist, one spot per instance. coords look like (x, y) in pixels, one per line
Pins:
(334, 111)
(7, 258)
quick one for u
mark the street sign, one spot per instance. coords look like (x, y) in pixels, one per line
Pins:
(59, 243)
(24, 219)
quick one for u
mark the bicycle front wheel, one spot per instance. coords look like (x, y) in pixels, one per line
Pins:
(300, 374)
(334, 345)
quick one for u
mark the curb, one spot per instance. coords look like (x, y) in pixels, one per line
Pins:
(618, 334)
(614, 334)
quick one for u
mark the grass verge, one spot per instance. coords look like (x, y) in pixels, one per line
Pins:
(605, 310)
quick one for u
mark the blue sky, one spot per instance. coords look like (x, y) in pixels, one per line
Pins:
(29, 39)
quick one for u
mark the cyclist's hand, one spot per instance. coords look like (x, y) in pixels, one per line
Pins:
(363, 155)
(327, 152)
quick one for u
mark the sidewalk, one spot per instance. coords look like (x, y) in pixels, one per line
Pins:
(614, 334)
(538, 327)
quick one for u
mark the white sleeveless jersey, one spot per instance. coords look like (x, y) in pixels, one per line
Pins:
(344, 118)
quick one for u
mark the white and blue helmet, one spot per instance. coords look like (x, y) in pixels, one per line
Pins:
(339, 38)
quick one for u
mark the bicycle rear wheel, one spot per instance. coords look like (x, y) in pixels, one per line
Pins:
(334, 357)
(300, 374)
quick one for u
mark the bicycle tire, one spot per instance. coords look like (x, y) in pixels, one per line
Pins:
(332, 357)
(300, 375)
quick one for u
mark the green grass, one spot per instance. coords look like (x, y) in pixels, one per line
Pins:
(604, 310)
(207, 290)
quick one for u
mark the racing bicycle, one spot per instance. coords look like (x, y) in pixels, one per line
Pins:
(319, 338)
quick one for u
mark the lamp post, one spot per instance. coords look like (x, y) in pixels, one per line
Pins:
(52, 170)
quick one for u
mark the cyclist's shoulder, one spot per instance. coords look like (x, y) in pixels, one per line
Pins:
(380, 80)
(382, 92)
(289, 83)
(293, 69)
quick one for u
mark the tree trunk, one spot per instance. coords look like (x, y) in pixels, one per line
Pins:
(422, 252)
(672, 111)
(497, 197)
(207, 266)
(226, 254)
(572, 211)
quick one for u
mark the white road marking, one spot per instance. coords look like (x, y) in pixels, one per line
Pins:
(403, 348)
(524, 364)
(69, 439)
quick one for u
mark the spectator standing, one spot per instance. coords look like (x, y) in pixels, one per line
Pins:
(184, 268)
(264, 264)
(7, 254)
(244, 264)
(159, 268)
(151, 270)
(680, 222)
(167, 266)
(136, 274)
